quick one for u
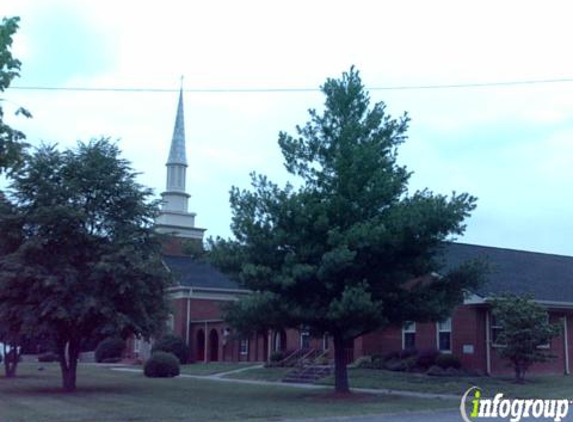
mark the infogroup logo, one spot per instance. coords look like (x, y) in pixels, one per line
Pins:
(512, 409)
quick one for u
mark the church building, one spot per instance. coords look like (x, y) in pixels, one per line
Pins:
(201, 291)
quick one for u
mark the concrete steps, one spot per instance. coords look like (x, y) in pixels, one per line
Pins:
(308, 374)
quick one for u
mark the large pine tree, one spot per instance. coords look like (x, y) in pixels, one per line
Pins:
(350, 250)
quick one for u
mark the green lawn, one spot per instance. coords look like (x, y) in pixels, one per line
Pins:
(104, 395)
(262, 374)
(212, 368)
(557, 386)
(536, 386)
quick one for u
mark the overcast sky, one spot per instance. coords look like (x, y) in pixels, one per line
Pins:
(511, 146)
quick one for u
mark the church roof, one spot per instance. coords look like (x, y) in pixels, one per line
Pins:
(191, 272)
(177, 153)
(547, 277)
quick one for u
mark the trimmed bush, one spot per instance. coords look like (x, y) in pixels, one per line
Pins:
(363, 362)
(276, 356)
(427, 358)
(172, 344)
(436, 371)
(48, 357)
(161, 365)
(408, 353)
(446, 361)
(110, 348)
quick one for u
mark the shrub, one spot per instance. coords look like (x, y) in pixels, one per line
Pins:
(172, 344)
(109, 348)
(436, 371)
(407, 353)
(276, 356)
(391, 356)
(48, 357)
(363, 362)
(446, 361)
(161, 365)
(427, 358)
(111, 360)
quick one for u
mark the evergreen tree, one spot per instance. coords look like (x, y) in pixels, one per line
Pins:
(350, 250)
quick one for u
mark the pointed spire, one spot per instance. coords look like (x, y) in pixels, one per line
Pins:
(177, 152)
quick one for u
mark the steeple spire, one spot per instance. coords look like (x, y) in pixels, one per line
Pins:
(177, 151)
(175, 217)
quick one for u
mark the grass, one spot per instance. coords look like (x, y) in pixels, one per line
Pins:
(547, 386)
(212, 368)
(110, 396)
(261, 374)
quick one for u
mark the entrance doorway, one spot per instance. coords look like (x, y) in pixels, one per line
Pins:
(213, 346)
(200, 346)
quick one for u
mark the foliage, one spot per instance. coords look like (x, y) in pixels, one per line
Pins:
(447, 360)
(161, 365)
(277, 356)
(350, 250)
(11, 140)
(436, 371)
(86, 262)
(427, 358)
(172, 344)
(109, 348)
(526, 329)
(193, 248)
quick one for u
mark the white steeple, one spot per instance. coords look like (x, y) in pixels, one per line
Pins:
(175, 217)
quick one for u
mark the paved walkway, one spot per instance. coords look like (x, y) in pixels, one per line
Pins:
(424, 416)
(220, 378)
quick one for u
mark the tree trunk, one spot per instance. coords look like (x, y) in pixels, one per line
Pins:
(11, 359)
(340, 362)
(519, 374)
(68, 352)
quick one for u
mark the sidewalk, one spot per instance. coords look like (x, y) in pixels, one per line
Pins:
(220, 377)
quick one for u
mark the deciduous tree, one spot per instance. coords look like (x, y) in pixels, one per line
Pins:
(350, 250)
(525, 331)
(87, 262)
(11, 140)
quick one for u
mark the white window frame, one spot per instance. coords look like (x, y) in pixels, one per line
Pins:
(409, 327)
(547, 345)
(494, 325)
(304, 333)
(325, 342)
(440, 330)
(244, 346)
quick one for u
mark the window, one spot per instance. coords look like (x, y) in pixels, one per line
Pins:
(409, 335)
(548, 344)
(325, 342)
(170, 323)
(304, 340)
(244, 346)
(496, 330)
(444, 330)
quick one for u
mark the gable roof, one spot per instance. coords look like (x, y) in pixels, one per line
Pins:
(190, 272)
(547, 277)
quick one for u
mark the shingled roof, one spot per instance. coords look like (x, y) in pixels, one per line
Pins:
(547, 277)
(193, 273)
